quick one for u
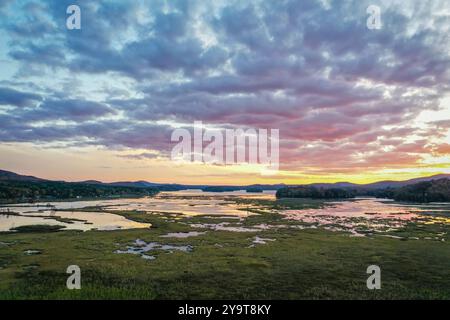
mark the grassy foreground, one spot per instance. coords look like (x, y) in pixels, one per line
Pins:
(299, 264)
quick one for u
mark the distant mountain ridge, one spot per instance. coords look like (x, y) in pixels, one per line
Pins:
(380, 184)
(8, 175)
(393, 184)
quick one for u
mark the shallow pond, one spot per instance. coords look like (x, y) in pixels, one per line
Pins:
(352, 215)
(188, 202)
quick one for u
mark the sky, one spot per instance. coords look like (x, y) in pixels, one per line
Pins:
(351, 103)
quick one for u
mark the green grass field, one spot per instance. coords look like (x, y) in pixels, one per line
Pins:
(299, 264)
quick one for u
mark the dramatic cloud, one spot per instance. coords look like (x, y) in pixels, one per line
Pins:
(13, 97)
(68, 110)
(343, 96)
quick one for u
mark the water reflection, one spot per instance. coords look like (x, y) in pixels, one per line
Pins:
(195, 203)
(368, 215)
(369, 208)
(187, 202)
(357, 216)
(70, 220)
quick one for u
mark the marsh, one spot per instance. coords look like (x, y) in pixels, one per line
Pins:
(188, 244)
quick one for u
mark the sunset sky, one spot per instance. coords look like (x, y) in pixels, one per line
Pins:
(351, 103)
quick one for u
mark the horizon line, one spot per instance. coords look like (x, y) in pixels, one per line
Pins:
(226, 185)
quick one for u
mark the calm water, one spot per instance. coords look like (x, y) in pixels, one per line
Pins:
(188, 202)
(347, 215)
(79, 220)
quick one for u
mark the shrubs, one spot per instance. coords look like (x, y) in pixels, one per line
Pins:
(315, 193)
(428, 191)
(52, 190)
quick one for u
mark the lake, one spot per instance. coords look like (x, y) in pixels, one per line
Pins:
(357, 216)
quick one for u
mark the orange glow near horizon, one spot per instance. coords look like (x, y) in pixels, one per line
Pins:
(105, 165)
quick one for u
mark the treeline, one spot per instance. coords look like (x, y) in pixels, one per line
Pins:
(27, 191)
(231, 189)
(254, 190)
(315, 193)
(427, 191)
(220, 188)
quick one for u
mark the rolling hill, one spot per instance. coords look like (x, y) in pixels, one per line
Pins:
(11, 176)
(8, 175)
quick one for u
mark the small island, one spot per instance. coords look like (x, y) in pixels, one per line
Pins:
(315, 193)
(422, 192)
(12, 191)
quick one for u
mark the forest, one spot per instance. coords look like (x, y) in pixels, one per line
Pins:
(32, 191)
(315, 193)
(426, 191)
